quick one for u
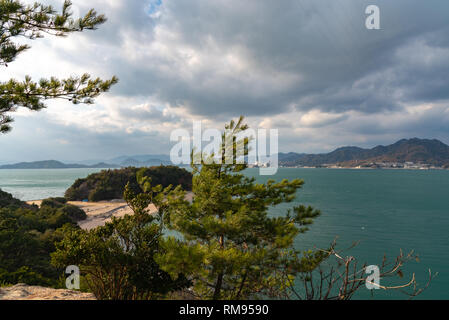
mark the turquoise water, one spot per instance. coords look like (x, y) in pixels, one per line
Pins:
(35, 184)
(386, 210)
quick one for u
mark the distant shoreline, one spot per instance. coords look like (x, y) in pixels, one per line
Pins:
(58, 168)
(280, 167)
(53, 164)
(352, 168)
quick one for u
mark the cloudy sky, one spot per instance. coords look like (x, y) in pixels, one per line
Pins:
(309, 68)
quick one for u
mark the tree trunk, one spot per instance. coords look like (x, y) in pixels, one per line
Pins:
(219, 282)
(218, 285)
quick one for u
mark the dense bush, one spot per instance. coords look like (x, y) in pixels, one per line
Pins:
(7, 200)
(73, 212)
(110, 184)
(54, 202)
(24, 275)
(27, 237)
(167, 175)
(117, 260)
(65, 212)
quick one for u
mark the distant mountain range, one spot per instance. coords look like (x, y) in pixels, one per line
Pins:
(53, 164)
(122, 161)
(144, 160)
(431, 152)
(141, 158)
(132, 162)
(419, 151)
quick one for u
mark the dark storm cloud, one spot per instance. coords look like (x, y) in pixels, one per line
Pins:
(147, 112)
(310, 54)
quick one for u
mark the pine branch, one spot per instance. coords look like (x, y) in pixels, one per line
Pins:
(31, 94)
(33, 21)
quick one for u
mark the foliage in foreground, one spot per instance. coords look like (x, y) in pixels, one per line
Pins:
(27, 237)
(117, 260)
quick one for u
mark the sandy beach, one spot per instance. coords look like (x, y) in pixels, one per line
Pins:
(98, 213)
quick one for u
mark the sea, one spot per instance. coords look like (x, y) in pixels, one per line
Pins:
(382, 211)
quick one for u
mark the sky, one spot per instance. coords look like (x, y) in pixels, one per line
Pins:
(309, 68)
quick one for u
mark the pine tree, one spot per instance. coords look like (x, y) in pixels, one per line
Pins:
(32, 22)
(229, 245)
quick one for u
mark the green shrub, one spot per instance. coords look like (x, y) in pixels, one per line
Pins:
(74, 213)
(103, 193)
(54, 202)
(122, 253)
(27, 237)
(24, 275)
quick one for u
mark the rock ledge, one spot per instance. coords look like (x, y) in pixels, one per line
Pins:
(25, 292)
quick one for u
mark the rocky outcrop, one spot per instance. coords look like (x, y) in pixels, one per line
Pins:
(25, 292)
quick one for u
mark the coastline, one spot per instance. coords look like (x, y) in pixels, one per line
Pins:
(355, 168)
(98, 213)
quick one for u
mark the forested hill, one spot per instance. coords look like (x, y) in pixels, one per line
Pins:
(432, 152)
(110, 184)
(53, 164)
